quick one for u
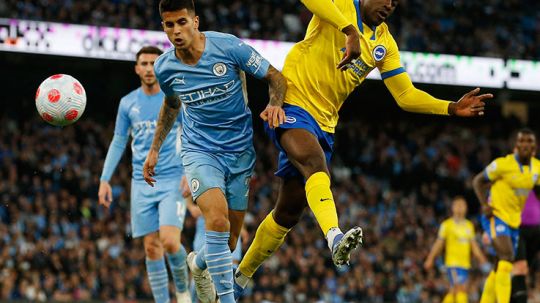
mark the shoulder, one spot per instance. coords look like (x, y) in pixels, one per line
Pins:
(162, 59)
(223, 41)
(130, 98)
(470, 225)
(535, 161)
(446, 222)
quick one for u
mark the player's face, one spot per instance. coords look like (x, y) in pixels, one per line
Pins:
(180, 27)
(145, 68)
(459, 208)
(377, 11)
(526, 145)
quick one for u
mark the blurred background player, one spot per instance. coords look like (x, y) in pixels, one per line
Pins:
(528, 247)
(502, 189)
(305, 141)
(203, 73)
(457, 238)
(157, 214)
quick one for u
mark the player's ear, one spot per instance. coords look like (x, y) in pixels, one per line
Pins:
(196, 22)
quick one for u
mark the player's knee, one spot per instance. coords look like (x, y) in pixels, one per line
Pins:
(507, 256)
(170, 244)
(520, 268)
(308, 164)
(218, 223)
(153, 249)
(287, 219)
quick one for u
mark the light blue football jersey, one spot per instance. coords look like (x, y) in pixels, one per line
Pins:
(215, 114)
(137, 116)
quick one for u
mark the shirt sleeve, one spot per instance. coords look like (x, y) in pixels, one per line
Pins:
(248, 59)
(328, 12)
(493, 171)
(442, 231)
(123, 122)
(166, 89)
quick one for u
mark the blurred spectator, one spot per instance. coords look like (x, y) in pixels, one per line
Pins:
(395, 178)
(496, 28)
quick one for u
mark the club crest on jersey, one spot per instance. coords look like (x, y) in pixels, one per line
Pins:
(219, 69)
(379, 52)
(195, 185)
(535, 178)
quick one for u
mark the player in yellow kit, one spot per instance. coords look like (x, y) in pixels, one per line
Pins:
(456, 237)
(508, 180)
(316, 91)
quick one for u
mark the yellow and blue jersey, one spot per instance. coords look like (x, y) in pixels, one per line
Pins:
(512, 183)
(314, 82)
(457, 236)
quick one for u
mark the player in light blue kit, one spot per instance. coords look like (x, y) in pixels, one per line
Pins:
(203, 74)
(157, 213)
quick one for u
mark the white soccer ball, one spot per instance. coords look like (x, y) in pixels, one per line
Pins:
(60, 100)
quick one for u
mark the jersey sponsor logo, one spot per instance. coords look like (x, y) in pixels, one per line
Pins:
(206, 95)
(290, 119)
(219, 69)
(359, 67)
(180, 81)
(535, 178)
(195, 185)
(379, 52)
(522, 192)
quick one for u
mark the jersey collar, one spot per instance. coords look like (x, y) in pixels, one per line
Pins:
(359, 19)
(521, 165)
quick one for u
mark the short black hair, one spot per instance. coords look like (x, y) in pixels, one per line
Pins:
(148, 50)
(526, 131)
(176, 5)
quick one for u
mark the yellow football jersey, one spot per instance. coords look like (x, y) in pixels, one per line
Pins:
(314, 82)
(512, 183)
(457, 236)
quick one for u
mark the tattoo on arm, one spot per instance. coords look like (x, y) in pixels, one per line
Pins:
(167, 116)
(277, 86)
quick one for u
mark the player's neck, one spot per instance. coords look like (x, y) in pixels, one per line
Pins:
(150, 90)
(458, 218)
(523, 160)
(192, 54)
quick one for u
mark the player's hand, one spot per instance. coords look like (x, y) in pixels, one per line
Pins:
(274, 115)
(487, 210)
(105, 194)
(149, 167)
(352, 47)
(184, 187)
(470, 105)
(428, 264)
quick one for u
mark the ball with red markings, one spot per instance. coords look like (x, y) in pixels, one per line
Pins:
(60, 100)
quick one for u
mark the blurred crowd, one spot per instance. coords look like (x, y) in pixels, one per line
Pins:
(394, 178)
(508, 29)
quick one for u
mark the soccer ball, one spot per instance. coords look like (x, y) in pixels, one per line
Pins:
(60, 100)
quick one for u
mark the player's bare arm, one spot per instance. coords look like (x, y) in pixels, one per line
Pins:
(481, 187)
(167, 116)
(477, 253)
(352, 47)
(277, 87)
(433, 253)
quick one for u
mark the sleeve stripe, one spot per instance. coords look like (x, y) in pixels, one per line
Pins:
(392, 73)
(486, 175)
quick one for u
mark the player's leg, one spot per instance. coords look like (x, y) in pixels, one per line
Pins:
(271, 234)
(172, 211)
(145, 222)
(503, 275)
(460, 288)
(452, 278)
(306, 154)
(217, 253)
(488, 293)
(520, 272)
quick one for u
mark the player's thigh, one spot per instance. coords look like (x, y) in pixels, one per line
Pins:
(203, 171)
(303, 150)
(504, 248)
(144, 209)
(291, 202)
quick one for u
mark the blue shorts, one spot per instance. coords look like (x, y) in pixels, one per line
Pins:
(457, 275)
(152, 207)
(230, 172)
(297, 117)
(496, 227)
(200, 238)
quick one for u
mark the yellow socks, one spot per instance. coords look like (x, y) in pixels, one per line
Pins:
(321, 201)
(268, 239)
(462, 297)
(449, 298)
(503, 281)
(488, 295)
